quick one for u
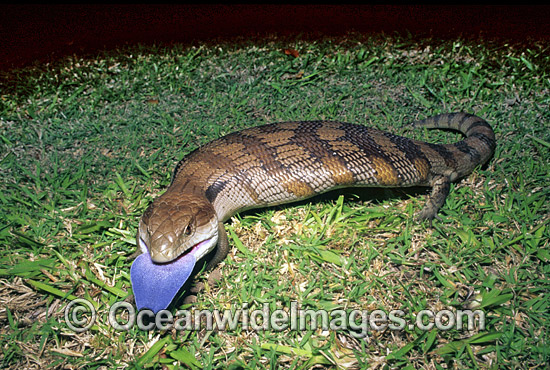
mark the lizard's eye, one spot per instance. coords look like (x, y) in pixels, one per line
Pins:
(187, 230)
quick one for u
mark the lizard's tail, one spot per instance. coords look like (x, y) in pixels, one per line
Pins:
(476, 149)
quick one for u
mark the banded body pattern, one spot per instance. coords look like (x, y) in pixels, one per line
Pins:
(284, 162)
(289, 161)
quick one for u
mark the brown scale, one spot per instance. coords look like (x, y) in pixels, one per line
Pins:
(285, 162)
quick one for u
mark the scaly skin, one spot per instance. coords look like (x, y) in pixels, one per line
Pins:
(286, 162)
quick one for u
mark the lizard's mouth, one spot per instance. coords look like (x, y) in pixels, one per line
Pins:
(201, 249)
(156, 284)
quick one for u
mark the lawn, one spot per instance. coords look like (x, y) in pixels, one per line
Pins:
(87, 142)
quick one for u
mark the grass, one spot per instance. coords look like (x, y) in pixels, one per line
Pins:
(88, 142)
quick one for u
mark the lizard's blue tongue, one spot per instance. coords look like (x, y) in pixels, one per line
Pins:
(155, 285)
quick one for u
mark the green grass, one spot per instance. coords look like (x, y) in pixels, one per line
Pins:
(87, 142)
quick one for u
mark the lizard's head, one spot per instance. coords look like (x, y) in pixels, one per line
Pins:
(176, 231)
(176, 223)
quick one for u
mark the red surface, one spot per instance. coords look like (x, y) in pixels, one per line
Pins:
(30, 32)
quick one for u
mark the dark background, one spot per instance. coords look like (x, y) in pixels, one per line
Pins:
(45, 32)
